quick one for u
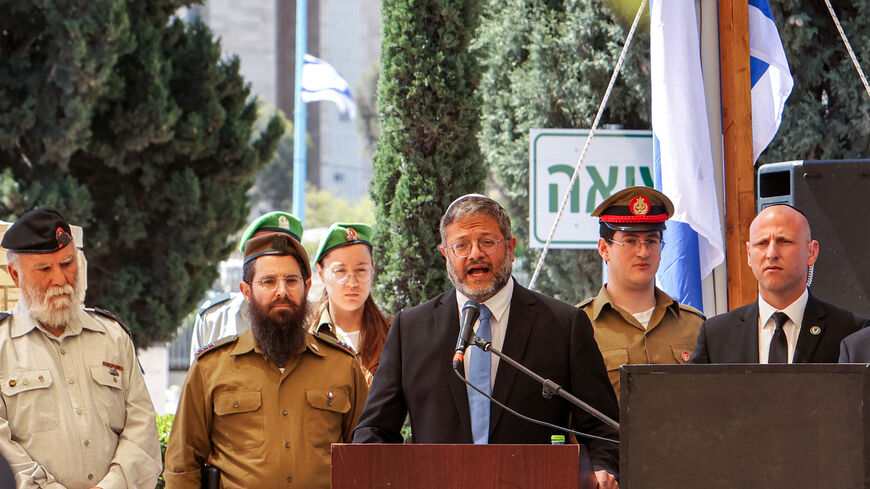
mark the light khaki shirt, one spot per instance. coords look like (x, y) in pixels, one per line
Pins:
(261, 427)
(74, 410)
(670, 335)
(219, 320)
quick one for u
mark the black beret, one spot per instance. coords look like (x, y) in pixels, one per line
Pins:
(39, 231)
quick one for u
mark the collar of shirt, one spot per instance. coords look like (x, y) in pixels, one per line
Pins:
(766, 326)
(24, 323)
(663, 301)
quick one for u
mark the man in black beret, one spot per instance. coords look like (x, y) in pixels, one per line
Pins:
(74, 409)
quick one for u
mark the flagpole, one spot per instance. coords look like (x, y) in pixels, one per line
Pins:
(300, 114)
(738, 150)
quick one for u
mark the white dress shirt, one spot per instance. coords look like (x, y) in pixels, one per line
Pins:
(500, 306)
(792, 327)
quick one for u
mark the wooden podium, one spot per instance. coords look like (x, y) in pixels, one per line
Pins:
(420, 466)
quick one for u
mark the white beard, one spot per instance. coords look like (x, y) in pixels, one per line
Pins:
(51, 312)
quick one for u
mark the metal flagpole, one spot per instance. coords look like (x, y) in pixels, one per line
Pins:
(300, 114)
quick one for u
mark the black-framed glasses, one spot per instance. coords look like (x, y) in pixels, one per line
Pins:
(486, 245)
(291, 281)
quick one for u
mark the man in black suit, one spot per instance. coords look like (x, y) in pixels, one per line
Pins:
(787, 324)
(855, 348)
(550, 337)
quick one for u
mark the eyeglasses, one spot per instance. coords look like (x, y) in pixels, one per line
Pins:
(270, 282)
(463, 248)
(636, 243)
(341, 274)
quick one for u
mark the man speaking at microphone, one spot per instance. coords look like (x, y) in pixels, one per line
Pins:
(549, 337)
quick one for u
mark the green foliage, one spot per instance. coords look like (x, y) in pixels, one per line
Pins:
(547, 66)
(427, 154)
(164, 427)
(134, 127)
(324, 207)
(273, 183)
(827, 115)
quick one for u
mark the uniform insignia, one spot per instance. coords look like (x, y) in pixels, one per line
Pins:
(113, 369)
(63, 237)
(639, 206)
(334, 342)
(351, 235)
(685, 356)
(815, 330)
(214, 344)
(284, 222)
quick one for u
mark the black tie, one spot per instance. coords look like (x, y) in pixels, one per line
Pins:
(778, 344)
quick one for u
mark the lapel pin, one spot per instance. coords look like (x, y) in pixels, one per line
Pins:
(815, 330)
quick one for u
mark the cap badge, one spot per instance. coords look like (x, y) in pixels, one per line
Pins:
(639, 206)
(63, 238)
(351, 235)
(283, 222)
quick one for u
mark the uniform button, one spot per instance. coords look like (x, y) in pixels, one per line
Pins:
(12, 383)
(330, 395)
(41, 378)
(90, 476)
(284, 412)
(62, 351)
(26, 381)
(78, 410)
(115, 379)
(289, 478)
(87, 442)
(329, 402)
(287, 445)
(235, 404)
(71, 381)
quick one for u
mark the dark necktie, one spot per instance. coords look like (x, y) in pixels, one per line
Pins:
(778, 344)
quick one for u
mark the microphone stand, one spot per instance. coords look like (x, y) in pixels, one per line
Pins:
(549, 387)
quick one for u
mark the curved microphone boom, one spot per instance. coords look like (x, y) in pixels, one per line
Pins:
(470, 313)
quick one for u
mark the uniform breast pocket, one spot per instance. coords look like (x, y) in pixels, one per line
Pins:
(238, 419)
(109, 396)
(31, 404)
(613, 359)
(326, 409)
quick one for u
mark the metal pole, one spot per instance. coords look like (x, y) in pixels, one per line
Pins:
(300, 114)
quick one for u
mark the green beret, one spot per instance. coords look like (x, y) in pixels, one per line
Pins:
(343, 234)
(278, 244)
(39, 231)
(277, 221)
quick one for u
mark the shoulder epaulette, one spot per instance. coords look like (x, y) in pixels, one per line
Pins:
(215, 344)
(585, 302)
(109, 315)
(335, 343)
(691, 309)
(218, 301)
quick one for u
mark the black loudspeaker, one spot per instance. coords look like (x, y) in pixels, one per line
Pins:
(744, 426)
(835, 197)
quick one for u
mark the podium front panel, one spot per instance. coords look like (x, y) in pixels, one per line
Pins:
(740, 426)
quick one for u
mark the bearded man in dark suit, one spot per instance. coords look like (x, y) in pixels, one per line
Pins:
(787, 324)
(550, 337)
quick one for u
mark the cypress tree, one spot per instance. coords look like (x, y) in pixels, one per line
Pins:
(427, 153)
(547, 65)
(131, 124)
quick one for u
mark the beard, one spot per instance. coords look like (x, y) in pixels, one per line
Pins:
(54, 307)
(279, 333)
(501, 275)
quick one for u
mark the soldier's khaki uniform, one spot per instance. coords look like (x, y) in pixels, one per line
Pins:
(325, 326)
(670, 337)
(74, 410)
(263, 428)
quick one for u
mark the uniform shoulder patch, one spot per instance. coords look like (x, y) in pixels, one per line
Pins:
(334, 342)
(218, 301)
(109, 315)
(215, 344)
(686, 307)
(585, 302)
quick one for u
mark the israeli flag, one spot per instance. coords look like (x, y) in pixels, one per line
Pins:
(320, 81)
(771, 78)
(682, 153)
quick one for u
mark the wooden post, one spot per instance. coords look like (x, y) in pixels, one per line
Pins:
(737, 132)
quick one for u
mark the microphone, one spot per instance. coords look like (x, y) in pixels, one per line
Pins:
(470, 313)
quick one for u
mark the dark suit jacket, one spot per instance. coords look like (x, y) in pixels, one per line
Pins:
(855, 348)
(733, 337)
(550, 337)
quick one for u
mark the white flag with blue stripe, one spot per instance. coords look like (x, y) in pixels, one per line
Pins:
(682, 152)
(320, 81)
(771, 78)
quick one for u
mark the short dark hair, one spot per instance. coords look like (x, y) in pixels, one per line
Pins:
(475, 205)
(605, 232)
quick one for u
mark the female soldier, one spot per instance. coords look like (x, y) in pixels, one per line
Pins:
(347, 311)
